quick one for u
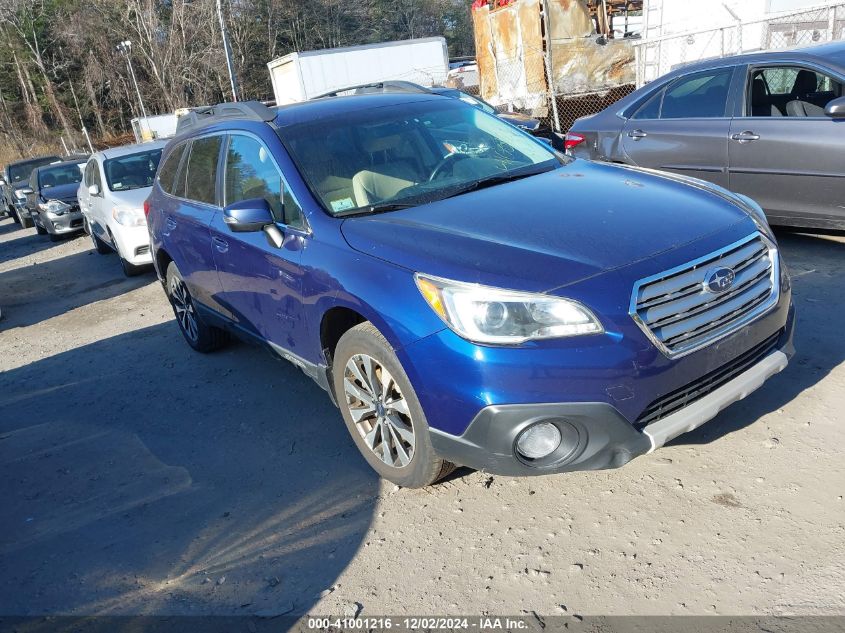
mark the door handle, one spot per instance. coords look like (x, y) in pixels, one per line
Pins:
(746, 137)
(637, 134)
(221, 245)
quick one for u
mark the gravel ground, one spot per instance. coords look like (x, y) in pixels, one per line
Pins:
(139, 477)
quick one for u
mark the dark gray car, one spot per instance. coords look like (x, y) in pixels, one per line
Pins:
(768, 125)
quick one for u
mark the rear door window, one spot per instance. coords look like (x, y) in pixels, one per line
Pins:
(700, 96)
(167, 172)
(703, 95)
(201, 170)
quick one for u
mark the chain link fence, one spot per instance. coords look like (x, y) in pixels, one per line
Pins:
(657, 56)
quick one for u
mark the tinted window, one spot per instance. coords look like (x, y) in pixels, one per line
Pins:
(64, 174)
(134, 171)
(251, 173)
(651, 108)
(704, 95)
(201, 173)
(167, 172)
(20, 172)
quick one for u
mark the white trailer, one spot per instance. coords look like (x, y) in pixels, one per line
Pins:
(155, 126)
(302, 76)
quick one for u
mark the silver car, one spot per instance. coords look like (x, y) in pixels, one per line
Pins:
(114, 186)
(767, 125)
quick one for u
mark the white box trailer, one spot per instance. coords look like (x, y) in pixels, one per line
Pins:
(303, 76)
(153, 127)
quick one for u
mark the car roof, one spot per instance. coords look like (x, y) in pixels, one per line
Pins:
(135, 148)
(306, 111)
(830, 52)
(33, 159)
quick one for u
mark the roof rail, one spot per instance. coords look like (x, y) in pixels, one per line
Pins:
(206, 115)
(376, 87)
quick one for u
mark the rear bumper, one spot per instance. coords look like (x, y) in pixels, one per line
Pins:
(595, 435)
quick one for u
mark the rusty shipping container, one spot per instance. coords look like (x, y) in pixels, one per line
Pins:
(512, 42)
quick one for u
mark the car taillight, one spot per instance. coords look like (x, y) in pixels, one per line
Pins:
(146, 208)
(572, 140)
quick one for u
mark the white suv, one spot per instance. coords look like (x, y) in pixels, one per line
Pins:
(115, 184)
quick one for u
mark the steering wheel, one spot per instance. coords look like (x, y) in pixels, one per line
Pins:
(449, 159)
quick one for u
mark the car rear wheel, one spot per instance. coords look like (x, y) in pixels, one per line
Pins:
(27, 223)
(201, 336)
(382, 412)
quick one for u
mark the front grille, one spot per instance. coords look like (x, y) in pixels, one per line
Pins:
(686, 395)
(680, 314)
(142, 250)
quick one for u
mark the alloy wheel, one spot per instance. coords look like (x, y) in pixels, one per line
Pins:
(184, 307)
(379, 410)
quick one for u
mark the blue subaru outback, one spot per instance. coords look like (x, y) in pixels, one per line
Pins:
(463, 293)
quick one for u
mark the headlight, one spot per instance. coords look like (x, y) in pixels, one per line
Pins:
(56, 207)
(491, 315)
(129, 216)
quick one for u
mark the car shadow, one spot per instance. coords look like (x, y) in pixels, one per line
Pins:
(817, 266)
(38, 292)
(26, 242)
(139, 477)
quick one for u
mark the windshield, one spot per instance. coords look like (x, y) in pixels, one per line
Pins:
(134, 171)
(409, 154)
(63, 174)
(19, 173)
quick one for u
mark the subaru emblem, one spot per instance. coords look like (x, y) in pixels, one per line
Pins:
(719, 280)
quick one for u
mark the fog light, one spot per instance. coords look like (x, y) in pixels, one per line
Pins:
(538, 440)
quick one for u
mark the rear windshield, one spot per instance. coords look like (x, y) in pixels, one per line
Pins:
(19, 172)
(63, 174)
(134, 171)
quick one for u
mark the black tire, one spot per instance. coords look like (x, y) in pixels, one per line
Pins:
(14, 214)
(201, 336)
(424, 467)
(40, 230)
(99, 245)
(27, 223)
(131, 270)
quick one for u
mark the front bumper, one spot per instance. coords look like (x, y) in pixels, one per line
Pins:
(22, 210)
(59, 224)
(133, 243)
(595, 435)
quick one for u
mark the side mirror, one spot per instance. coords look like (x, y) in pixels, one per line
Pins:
(248, 216)
(94, 190)
(836, 109)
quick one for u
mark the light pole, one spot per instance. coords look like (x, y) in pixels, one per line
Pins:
(125, 47)
(228, 50)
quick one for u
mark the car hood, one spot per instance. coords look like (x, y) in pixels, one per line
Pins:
(130, 198)
(65, 193)
(549, 230)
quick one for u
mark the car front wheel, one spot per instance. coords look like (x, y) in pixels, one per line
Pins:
(381, 410)
(201, 336)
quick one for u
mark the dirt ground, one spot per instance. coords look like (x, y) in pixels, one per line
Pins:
(139, 477)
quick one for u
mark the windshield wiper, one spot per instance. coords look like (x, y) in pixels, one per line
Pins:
(381, 207)
(492, 181)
